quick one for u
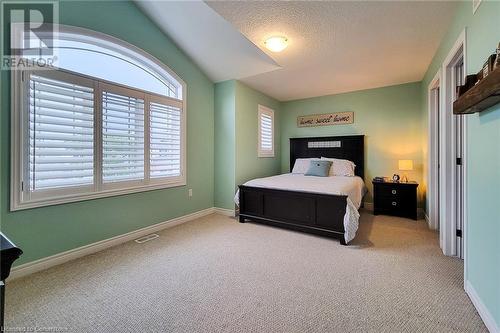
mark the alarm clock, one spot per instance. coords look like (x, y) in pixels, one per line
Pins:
(395, 177)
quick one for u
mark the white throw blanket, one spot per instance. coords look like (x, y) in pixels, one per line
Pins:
(353, 187)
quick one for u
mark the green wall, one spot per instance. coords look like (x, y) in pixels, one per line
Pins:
(483, 159)
(225, 144)
(42, 232)
(236, 139)
(248, 164)
(389, 117)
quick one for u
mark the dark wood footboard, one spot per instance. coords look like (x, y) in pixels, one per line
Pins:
(316, 213)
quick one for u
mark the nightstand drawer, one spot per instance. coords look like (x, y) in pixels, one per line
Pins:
(391, 204)
(393, 191)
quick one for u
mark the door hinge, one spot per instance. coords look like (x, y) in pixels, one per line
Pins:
(22, 186)
(459, 161)
(459, 233)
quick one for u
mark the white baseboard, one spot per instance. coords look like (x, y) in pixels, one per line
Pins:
(368, 206)
(487, 317)
(428, 220)
(224, 211)
(57, 259)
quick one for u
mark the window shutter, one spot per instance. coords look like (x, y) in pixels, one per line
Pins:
(122, 137)
(61, 139)
(165, 140)
(266, 132)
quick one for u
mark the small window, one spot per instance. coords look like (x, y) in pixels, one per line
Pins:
(266, 132)
(82, 133)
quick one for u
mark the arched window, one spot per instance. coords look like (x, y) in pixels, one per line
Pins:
(106, 119)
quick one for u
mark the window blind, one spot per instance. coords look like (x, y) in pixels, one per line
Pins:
(122, 137)
(266, 132)
(61, 140)
(165, 140)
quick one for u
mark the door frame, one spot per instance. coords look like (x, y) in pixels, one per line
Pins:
(447, 146)
(433, 115)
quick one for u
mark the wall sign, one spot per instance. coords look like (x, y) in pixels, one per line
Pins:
(339, 118)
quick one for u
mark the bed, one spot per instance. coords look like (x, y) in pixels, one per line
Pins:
(326, 206)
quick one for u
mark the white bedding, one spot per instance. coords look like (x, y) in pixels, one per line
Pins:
(353, 187)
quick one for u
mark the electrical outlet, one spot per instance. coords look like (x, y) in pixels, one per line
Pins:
(190, 192)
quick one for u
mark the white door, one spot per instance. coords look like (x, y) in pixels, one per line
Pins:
(458, 195)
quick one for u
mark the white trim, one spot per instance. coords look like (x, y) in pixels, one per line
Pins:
(225, 212)
(72, 33)
(60, 258)
(368, 206)
(433, 111)
(426, 218)
(264, 110)
(447, 171)
(465, 202)
(475, 5)
(486, 316)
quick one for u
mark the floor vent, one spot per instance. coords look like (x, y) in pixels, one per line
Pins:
(146, 238)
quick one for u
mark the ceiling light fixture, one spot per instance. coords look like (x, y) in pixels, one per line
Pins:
(276, 43)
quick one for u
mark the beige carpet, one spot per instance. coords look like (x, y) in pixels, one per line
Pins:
(216, 275)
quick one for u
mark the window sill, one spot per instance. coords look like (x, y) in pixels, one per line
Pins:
(17, 205)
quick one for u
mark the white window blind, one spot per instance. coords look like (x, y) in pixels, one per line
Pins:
(266, 132)
(61, 140)
(78, 137)
(165, 140)
(122, 137)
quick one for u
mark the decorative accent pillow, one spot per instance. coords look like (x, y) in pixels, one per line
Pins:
(319, 168)
(340, 167)
(302, 164)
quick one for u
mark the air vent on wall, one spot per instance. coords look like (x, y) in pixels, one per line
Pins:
(146, 238)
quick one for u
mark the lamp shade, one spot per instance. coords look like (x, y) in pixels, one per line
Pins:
(405, 165)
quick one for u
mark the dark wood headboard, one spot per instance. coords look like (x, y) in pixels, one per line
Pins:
(350, 148)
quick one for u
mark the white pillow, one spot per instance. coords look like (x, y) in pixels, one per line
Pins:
(340, 167)
(302, 164)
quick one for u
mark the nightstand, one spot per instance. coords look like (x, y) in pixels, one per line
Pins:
(393, 198)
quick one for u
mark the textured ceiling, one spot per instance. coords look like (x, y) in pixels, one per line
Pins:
(337, 47)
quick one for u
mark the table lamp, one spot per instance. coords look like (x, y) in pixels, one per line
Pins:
(405, 165)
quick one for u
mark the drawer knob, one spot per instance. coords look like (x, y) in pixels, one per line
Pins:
(394, 191)
(394, 203)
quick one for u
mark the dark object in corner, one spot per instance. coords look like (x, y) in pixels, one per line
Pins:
(8, 254)
(470, 81)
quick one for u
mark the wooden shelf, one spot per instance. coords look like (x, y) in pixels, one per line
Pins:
(483, 95)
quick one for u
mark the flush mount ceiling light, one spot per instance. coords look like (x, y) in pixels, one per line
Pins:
(276, 43)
